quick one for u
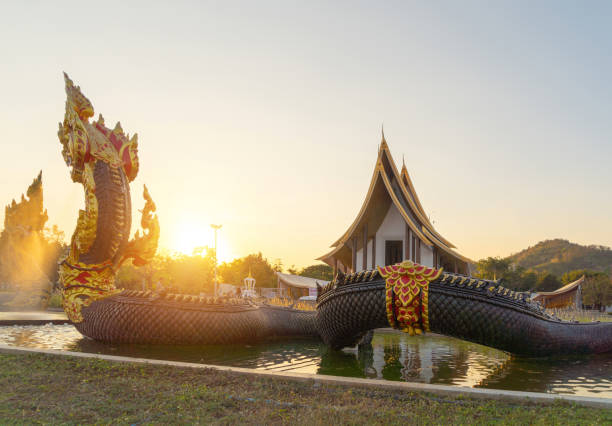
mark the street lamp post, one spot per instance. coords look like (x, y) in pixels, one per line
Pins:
(216, 228)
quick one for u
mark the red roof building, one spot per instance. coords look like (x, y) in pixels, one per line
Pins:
(568, 296)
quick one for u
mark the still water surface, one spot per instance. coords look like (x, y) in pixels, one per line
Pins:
(394, 356)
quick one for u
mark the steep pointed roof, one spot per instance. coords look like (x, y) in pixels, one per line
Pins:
(379, 179)
(403, 197)
(382, 172)
(409, 187)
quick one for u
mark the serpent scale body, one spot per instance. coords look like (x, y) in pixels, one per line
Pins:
(147, 317)
(480, 311)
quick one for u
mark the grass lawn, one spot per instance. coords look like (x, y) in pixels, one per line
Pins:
(37, 388)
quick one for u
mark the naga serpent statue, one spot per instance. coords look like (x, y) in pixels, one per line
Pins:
(408, 296)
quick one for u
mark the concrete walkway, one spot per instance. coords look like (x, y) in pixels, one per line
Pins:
(32, 318)
(455, 391)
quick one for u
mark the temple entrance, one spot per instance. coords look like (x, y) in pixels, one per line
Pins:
(393, 252)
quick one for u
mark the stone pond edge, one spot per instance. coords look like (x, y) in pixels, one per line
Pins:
(454, 391)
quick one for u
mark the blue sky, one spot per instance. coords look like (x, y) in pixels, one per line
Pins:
(265, 116)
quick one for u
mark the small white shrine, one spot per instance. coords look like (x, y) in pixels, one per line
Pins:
(248, 290)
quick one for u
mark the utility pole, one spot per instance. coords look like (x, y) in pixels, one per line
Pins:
(216, 228)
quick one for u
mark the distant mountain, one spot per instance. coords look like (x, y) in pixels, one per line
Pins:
(560, 256)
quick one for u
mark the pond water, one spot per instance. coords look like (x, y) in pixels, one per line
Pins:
(394, 356)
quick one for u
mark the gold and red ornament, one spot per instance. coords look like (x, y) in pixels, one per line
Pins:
(84, 284)
(407, 292)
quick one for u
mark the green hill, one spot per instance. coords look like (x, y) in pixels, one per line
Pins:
(560, 256)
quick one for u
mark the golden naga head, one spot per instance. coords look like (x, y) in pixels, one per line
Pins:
(84, 142)
(84, 145)
(78, 101)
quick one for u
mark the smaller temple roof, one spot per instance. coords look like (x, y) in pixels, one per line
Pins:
(563, 290)
(299, 281)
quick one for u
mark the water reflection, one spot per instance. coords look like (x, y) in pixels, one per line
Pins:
(427, 359)
(576, 375)
(393, 356)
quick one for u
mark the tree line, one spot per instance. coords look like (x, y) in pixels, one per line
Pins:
(195, 273)
(29, 252)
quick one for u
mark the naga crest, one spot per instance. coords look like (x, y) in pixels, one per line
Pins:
(104, 161)
(84, 142)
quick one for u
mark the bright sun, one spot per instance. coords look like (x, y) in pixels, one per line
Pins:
(189, 237)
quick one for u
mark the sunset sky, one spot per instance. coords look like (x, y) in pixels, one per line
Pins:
(265, 116)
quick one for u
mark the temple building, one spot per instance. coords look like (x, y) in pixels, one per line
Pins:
(568, 296)
(392, 226)
(296, 286)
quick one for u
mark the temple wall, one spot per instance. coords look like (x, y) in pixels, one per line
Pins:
(426, 255)
(359, 265)
(393, 227)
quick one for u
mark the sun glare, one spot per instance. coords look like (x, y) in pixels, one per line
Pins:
(190, 238)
